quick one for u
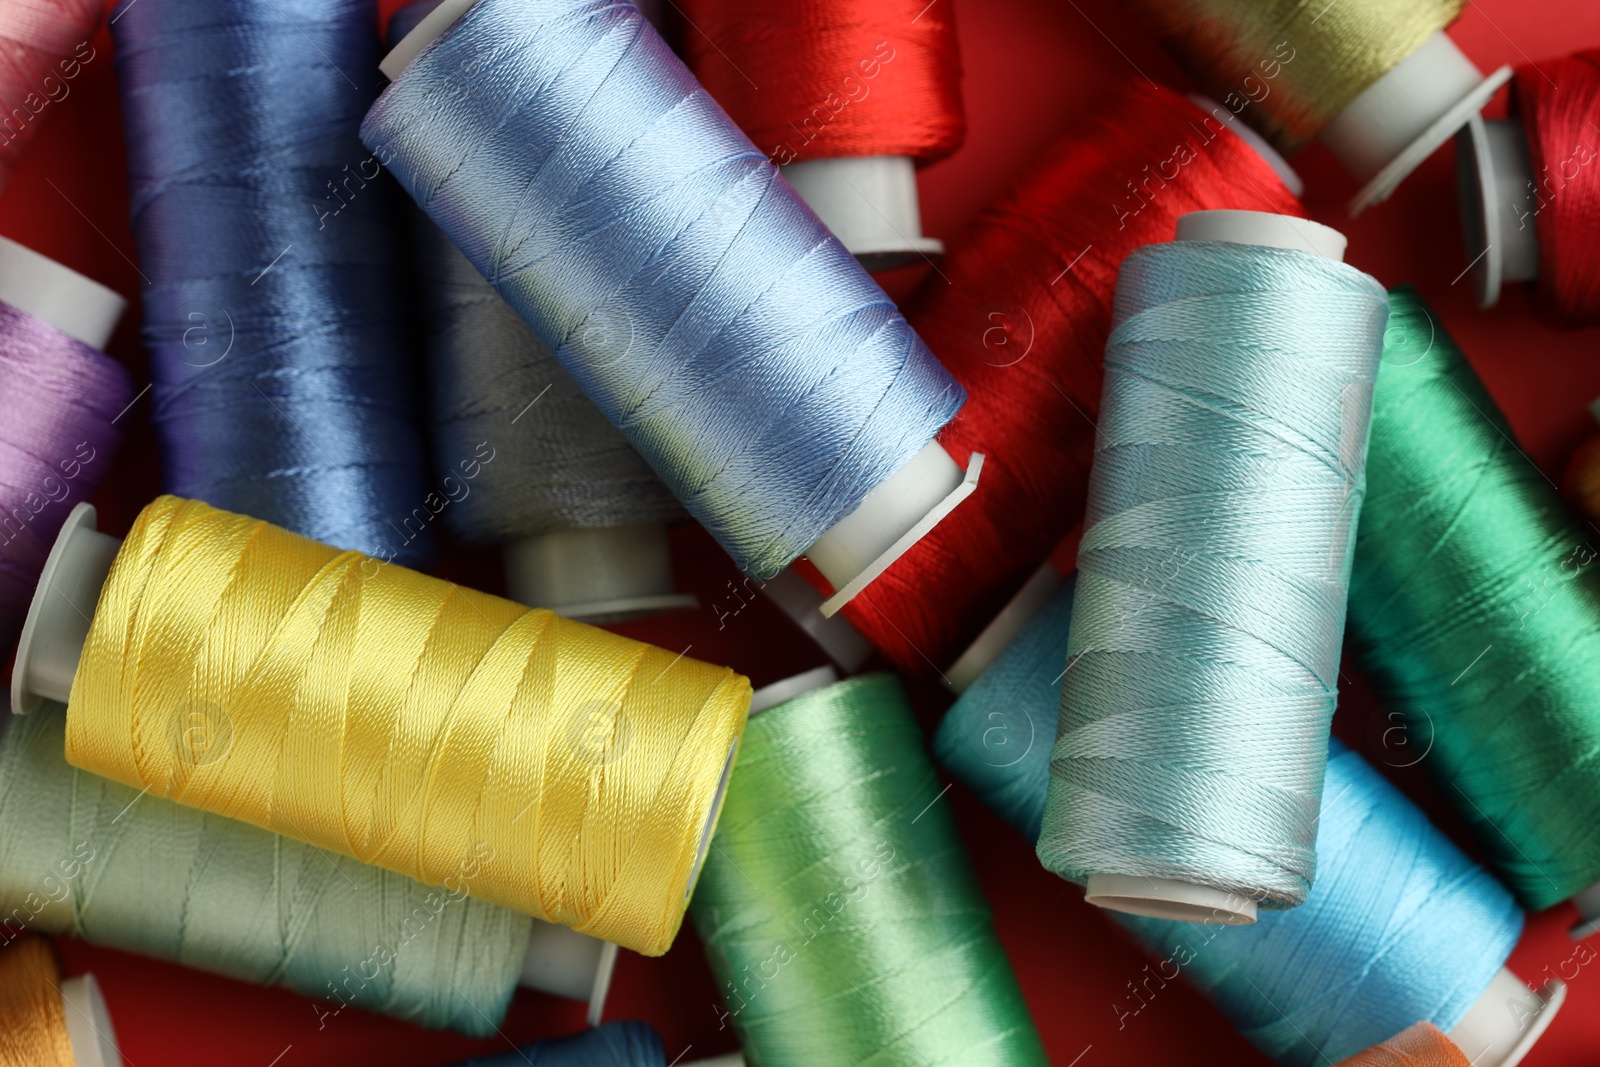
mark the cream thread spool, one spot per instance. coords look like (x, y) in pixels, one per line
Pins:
(892, 518)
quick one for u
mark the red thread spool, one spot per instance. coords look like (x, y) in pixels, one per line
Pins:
(1022, 324)
(43, 47)
(815, 79)
(1564, 150)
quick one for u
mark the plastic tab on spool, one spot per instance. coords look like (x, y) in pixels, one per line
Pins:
(1401, 119)
(58, 618)
(870, 204)
(1494, 179)
(892, 518)
(596, 575)
(1168, 898)
(1506, 1021)
(77, 306)
(803, 605)
(565, 963)
(89, 1029)
(1013, 618)
(1269, 155)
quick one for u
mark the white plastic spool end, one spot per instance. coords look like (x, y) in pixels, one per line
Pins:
(1003, 628)
(1587, 901)
(1494, 176)
(597, 575)
(78, 306)
(565, 963)
(803, 605)
(1269, 155)
(892, 518)
(1168, 898)
(770, 696)
(437, 21)
(1506, 1021)
(1264, 229)
(89, 1029)
(58, 618)
(1402, 118)
(870, 204)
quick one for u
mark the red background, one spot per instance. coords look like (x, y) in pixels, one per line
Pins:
(1031, 65)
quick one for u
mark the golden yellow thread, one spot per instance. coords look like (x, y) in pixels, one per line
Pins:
(1288, 67)
(33, 1021)
(450, 735)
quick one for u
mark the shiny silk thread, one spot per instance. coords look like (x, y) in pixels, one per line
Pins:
(405, 721)
(275, 313)
(1213, 570)
(839, 912)
(1418, 1045)
(832, 77)
(1564, 152)
(1020, 316)
(33, 1019)
(58, 400)
(687, 289)
(1288, 67)
(1400, 925)
(87, 857)
(44, 45)
(1475, 612)
(559, 465)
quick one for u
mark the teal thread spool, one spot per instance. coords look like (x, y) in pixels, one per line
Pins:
(1203, 670)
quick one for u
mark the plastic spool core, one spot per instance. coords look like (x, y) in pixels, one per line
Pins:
(1506, 1021)
(1168, 898)
(1271, 156)
(1399, 120)
(1494, 178)
(892, 518)
(870, 204)
(596, 575)
(770, 696)
(1003, 628)
(89, 1029)
(78, 306)
(803, 605)
(568, 964)
(58, 617)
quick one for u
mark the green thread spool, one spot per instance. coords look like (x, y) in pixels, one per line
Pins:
(1475, 610)
(837, 905)
(88, 857)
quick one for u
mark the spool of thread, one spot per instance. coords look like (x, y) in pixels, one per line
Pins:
(44, 45)
(1524, 217)
(1475, 613)
(87, 857)
(852, 98)
(275, 313)
(1400, 925)
(735, 343)
(1378, 81)
(1022, 325)
(838, 911)
(1215, 558)
(582, 517)
(49, 1022)
(1418, 1045)
(618, 1044)
(59, 399)
(385, 715)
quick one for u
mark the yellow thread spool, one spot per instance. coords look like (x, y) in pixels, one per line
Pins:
(449, 735)
(33, 1021)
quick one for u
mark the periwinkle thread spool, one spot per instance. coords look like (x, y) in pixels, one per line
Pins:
(1475, 612)
(1379, 81)
(1400, 925)
(1213, 570)
(1022, 326)
(58, 400)
(88, 857)
(44, 46)
(838, 910)
(709, 315)
(275, 313)
(618, 1044)
(400, 720)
